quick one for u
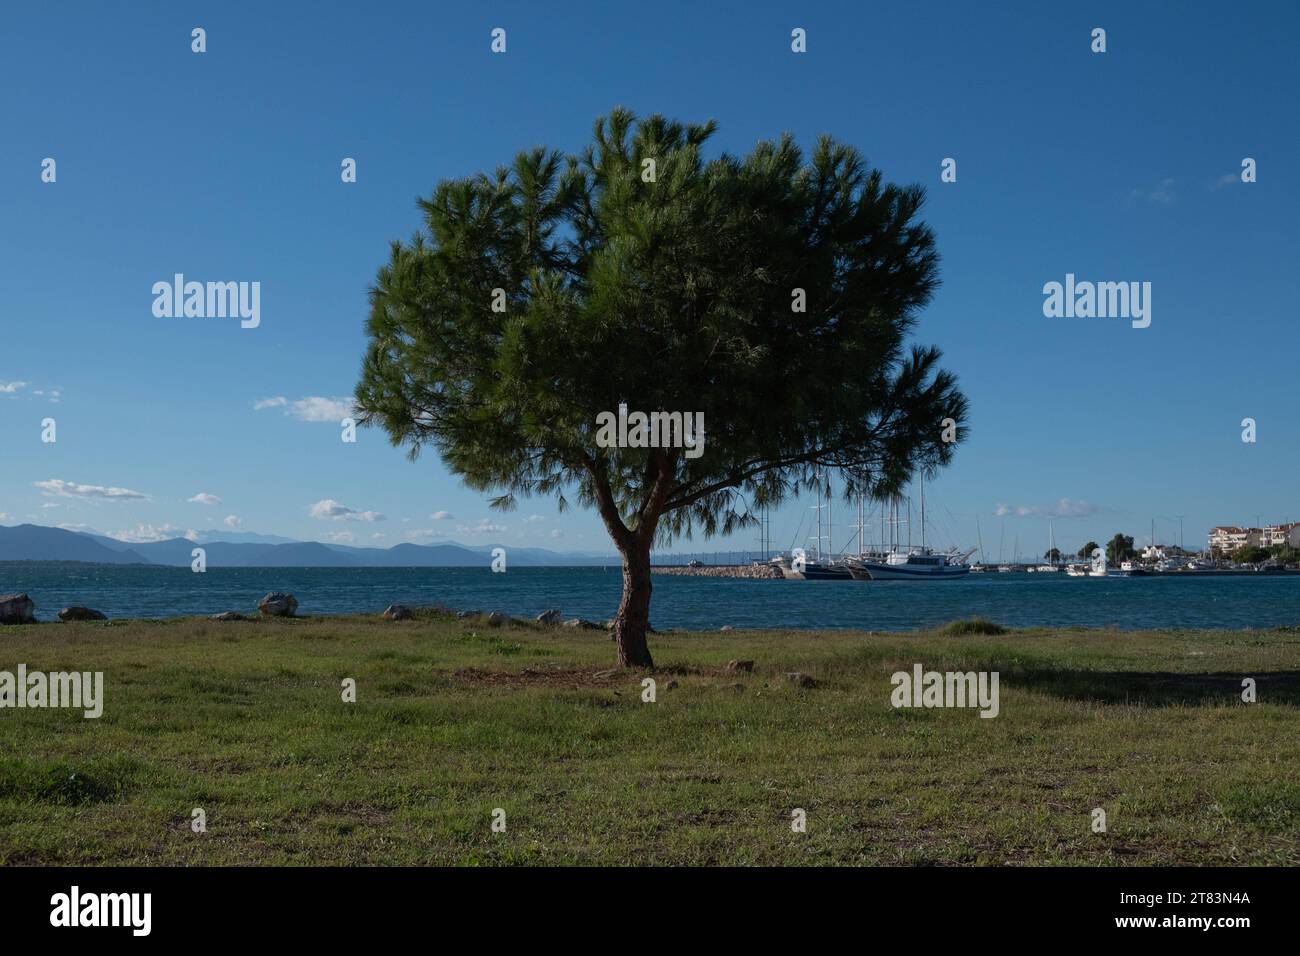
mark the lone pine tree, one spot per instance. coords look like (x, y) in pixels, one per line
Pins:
(769, 294)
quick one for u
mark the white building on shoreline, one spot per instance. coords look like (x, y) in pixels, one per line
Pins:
(1230, 538)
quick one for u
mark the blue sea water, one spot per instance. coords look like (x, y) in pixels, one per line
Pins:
(1019, 600)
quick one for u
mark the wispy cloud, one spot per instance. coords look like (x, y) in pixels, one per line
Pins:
(233, 521)
(71, 489)
(203, 498)
(146, 533)
(328, 509)
(442, 516)
(1163, 193)
(11, 388)
(483, 527)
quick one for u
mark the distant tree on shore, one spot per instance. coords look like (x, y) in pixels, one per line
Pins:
(1053, 554)
(1120, 548)
(1285, 554)
(770, 293)
(1087, 549)
(1251, 554)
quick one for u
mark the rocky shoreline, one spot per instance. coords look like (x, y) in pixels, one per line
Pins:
(20, 609)
(758, 571)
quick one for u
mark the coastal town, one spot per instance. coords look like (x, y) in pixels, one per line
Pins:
(1229, 550)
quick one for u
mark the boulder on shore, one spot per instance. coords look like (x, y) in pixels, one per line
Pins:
(16, 609)
(228, 616)
(397, 612)
(81, 614)
(278, 604)
(553, 616)
(496, 619)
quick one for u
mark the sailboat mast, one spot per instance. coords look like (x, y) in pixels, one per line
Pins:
(861, 519)
(922, 512)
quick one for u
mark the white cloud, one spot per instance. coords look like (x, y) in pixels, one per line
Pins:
(70, 489)
(11, 388)
(378, 536)
(533, 519)
(327, 509)
(1065, 508)
(233, 521)
(203, 498)
(442, 515)
(341, 537)
(312, 408)
(317, 409)
(557, 533)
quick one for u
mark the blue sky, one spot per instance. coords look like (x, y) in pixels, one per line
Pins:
(1122, 166)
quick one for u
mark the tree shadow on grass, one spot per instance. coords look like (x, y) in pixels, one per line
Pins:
(1157, 689)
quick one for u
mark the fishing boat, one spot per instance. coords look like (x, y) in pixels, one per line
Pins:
(917, 564)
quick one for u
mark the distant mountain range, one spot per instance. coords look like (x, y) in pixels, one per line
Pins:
(29, 542)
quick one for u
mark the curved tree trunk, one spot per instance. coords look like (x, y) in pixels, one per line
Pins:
(633, 619)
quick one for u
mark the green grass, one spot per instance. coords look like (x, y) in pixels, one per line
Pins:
(455, 718)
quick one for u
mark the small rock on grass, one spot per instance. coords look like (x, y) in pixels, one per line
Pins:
(397, 612)
(16, 609)
(801, 680)
(81, 614)
(737, 667)
(278, 604)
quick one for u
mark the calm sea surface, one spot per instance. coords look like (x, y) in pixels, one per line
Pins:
(684, 602)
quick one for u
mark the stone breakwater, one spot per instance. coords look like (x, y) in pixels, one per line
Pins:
(724, 571)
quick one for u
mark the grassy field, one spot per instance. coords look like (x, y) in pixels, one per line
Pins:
(456, 718)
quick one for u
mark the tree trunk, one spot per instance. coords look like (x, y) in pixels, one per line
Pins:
(633, 618)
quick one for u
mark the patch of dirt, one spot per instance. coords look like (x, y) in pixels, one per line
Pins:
(570, 678)
(575, 678)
